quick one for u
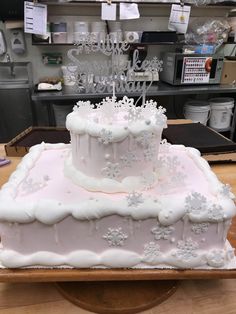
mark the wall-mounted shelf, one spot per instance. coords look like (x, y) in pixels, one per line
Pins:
(131, 44)
(159, 89)
(143, 2)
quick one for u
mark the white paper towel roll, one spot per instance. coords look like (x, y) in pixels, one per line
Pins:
(131, 37)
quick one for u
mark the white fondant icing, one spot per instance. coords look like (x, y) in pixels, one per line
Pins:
(119, 258)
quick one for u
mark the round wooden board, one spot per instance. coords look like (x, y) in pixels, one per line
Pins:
(116, 297)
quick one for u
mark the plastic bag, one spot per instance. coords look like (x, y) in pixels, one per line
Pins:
(207, 30)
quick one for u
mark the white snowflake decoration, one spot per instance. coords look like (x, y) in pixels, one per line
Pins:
(160, 117)
(195, 203)
(162, 232)
(215, 213)
(170, 171)
(151, 252)
(150, 107)
(83, 107)
(134, 199)
(31, 186)
(227, 191)
(125, 104)
(216, 258)
(186, 249)
(128, 159)
(112, 170)
(108, 108)
(115, 237)
(134, 114)
(199, 228)
(105, 137)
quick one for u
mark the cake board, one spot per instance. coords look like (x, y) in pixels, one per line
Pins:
(144, 288)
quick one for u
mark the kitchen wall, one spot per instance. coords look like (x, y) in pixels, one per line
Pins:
(153, 17)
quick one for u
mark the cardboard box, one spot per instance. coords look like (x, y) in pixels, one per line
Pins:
(229, 72)
(20, 145)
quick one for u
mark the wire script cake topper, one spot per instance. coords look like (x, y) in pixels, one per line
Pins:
(111, 74)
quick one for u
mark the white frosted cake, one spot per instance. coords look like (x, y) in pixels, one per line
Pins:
(114, 145)
(115, 197)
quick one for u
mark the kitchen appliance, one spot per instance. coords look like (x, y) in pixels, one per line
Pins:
(159, 37)
(141, 75)
(191, 69)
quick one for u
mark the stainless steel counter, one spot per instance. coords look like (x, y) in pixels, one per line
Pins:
(160, 89)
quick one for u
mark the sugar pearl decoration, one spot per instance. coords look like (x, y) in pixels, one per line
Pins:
(107, 156)
(82, 158)
(148, 122)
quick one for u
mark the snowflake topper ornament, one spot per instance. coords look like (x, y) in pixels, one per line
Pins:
(112, 70)
(110, 110)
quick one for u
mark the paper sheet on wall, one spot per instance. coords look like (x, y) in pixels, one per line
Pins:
(108, 12)
(129, 11)
(179, 18)
(35, 21)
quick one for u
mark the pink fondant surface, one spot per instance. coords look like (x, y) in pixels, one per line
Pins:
(58, 187)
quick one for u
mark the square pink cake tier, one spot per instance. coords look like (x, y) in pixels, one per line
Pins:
(181, 221)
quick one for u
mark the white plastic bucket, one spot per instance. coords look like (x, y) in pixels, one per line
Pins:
(197, 111)
(221, 112)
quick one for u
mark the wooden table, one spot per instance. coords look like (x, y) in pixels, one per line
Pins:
(200, 296)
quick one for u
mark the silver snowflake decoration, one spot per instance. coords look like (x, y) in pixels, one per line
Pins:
(215, 212)
(134, 114)
(162, 232)
(155, 65)
(151, 251)
(31, 186)
(135, 199)
(128, 159)
(216, 258)
(105, 137)
(115, 237)
(199, 228)
(195, 203)
(111, 171)
(150, 153)
(186, 249)
(145, 139)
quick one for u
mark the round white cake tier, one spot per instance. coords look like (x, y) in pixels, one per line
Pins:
(115, 148)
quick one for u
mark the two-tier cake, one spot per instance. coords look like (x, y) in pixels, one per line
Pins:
(117, 196)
